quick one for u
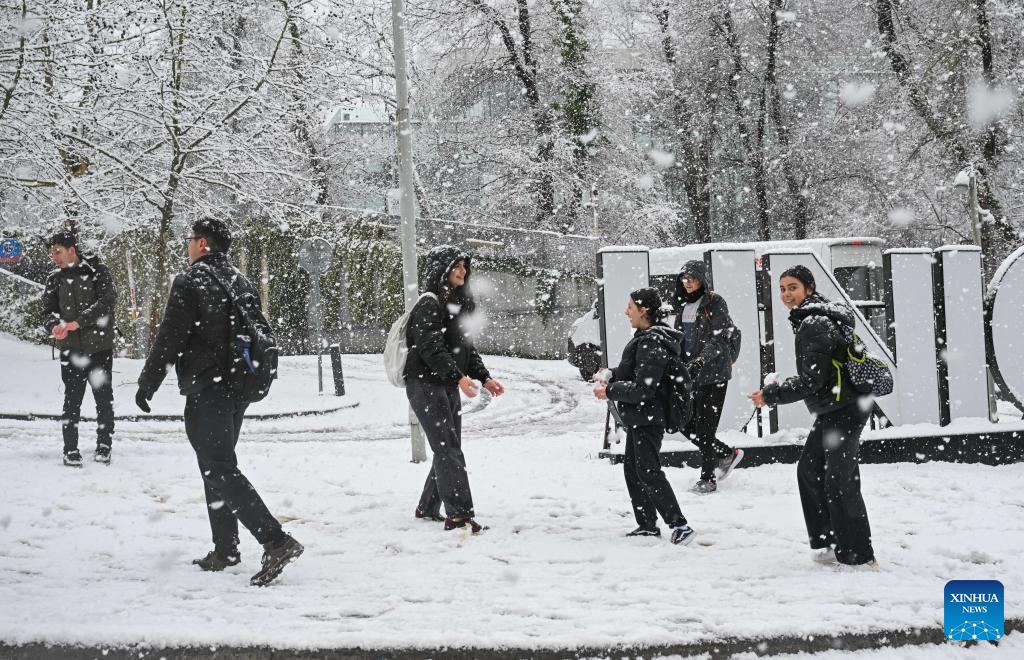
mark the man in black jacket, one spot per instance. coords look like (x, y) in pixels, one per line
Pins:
(195, 336)
(78, 312)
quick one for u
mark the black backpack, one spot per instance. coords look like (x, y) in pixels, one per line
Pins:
(735, 335)
(679, 406)
(254, 351)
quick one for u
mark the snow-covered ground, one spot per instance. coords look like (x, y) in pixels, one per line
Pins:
(102, 555)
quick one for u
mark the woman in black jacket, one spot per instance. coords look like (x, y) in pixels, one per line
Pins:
(828, 474)
(707, 329)
(442, 361)
(639, 386)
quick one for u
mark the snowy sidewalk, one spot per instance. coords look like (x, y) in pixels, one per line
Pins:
(101, 555)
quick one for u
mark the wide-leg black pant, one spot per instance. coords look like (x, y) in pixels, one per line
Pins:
(213, 420)
(828, 475)
(439, 411)
(649, 489)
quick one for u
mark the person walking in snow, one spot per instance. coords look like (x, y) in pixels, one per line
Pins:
(828, 474)
(195, 336)
(78, 312)
(641, 389)
(442, 361)
(703, 318)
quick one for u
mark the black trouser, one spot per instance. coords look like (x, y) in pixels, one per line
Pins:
(708, 401)
(649, 489)
(212, 423)
(829, 478)
(76, 369)
(439, 411)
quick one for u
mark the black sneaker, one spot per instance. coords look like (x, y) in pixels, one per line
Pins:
(275, 557)
(683, 535)
(215, 562)
(73, 458)
(436, 517)
(102, 454)
(645, 531)
(459, 523)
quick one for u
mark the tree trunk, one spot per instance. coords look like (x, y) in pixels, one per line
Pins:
(796, 190)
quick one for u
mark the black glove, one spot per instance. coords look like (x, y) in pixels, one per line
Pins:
(142, 398)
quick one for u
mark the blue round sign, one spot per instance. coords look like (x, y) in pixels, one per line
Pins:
(10, 251)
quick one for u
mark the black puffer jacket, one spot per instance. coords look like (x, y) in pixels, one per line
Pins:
(195, 333)
(638, 384)
(818, 341)
(440, 349)
(713, 328)
(86, 294)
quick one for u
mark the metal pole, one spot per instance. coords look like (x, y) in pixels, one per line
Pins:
(318, 330)
(405, 184)
(972, 199)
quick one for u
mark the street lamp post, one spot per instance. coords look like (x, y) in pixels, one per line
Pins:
(405, 185)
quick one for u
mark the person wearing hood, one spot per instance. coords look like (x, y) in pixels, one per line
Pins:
(828, 474)
(641, 389)
(702, 317)
(78, 312)
(442, 361)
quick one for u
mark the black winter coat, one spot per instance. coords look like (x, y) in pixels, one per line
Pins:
(440, 349)
(713, 328)
(86, 294)
(195, 333)
(639, 383)
(818, 341)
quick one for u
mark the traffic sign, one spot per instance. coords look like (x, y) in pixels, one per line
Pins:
(10, 251)
(315, 255)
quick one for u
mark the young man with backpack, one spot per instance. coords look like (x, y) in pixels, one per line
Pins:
(644, 387)
(710, 346)
(210, 329)
(78, 312)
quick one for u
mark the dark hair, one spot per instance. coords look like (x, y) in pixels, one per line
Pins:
(216, 233)
(65, 239)
(649, 298)
(802, 273)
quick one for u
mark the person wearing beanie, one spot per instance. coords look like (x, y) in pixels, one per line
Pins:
(710, 346)
(442, 361)
(828, 474)
(641, 389)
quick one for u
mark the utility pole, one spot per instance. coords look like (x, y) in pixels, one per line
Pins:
(405, 184)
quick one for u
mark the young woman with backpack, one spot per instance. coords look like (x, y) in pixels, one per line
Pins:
(828, 473)
(642, 391)
(708, 343)
(442, 361)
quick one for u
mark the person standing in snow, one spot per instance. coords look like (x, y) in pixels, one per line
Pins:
(640, 388)
(195, 336)
(442, 361)
(78, 312)
(828, 474)
(703, 318)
